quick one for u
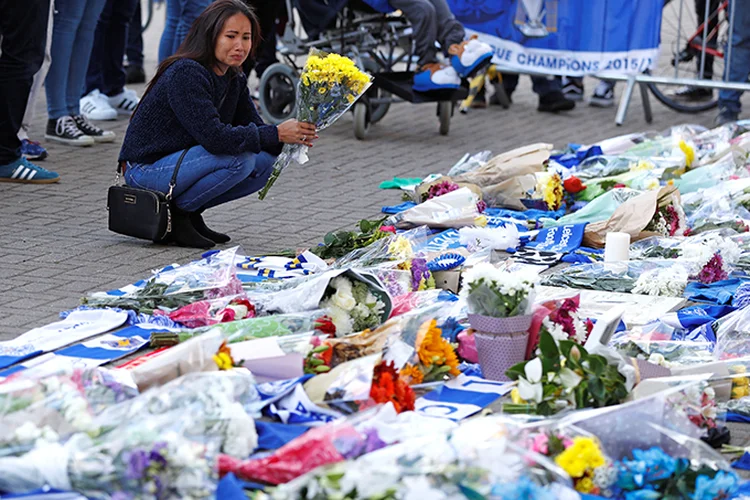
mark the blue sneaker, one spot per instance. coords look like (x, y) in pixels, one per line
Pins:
(436, 77)
(26, 172)
(32, 150)
(470, 56)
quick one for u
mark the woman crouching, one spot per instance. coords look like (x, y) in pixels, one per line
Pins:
(199, 101)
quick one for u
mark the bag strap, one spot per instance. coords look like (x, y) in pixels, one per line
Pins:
(173, 181)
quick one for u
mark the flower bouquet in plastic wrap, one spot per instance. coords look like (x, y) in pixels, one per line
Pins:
(355, 300)
(328, 86)
(38, 412)
(565, 375)
(337, 441)
(175, 286)
(474, 461)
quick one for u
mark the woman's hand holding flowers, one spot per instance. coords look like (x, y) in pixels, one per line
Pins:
(296, 132)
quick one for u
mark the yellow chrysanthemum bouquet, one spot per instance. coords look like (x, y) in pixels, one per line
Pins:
(328, 86)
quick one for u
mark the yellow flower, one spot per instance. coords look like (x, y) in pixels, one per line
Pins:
(480, 221)
(740, 392)
(689, 153)
(585, 485)
(400, 249)
(641, 166)
(551, 188)
(515, 396)
(584, 454)
(652, 184)
(223, 361)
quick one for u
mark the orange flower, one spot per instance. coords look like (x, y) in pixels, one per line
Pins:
(412, 374)
(434, 349)
(387, 386)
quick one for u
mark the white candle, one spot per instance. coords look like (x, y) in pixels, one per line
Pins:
(616, 247)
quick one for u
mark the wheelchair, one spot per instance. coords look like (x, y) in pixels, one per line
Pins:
(376, 41)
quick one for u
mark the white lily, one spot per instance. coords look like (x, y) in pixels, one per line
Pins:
(569, 379)
(530, 386)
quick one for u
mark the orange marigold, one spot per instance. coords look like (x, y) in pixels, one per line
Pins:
(412, 374)
(434, 349)
(387, 386)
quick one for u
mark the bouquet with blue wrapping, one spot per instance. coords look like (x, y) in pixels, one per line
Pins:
(328, 86)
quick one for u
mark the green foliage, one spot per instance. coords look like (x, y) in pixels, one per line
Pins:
(339, 243)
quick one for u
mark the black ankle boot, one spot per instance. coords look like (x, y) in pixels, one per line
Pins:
(184, 233)
(200, 225)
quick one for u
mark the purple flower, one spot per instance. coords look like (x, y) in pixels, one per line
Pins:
(419, 271)
(373, 441)
(137, 464)
(481, 206)
(121, 495)
(713, 271)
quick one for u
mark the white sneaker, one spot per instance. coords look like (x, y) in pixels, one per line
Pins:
(95, 106)
(125, 102)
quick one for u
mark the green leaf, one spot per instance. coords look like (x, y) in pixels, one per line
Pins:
(547, 345)
(516, 370)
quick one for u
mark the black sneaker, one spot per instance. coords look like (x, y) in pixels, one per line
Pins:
(554, 102)
(65, 130)
(91, 130)
(690, 93)
(572, 88)
(726, 116)
(603, 96)
(135, 74)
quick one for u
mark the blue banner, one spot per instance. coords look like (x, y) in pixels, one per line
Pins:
(566, 37)
(560, 239)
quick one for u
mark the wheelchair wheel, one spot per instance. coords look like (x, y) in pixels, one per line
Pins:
(378, 111)
(444, 111)
(278, 93)
(361, 120)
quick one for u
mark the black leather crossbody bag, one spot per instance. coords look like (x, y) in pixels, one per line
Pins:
(141, 213)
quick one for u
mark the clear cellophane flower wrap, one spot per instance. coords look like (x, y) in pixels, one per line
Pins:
(475, 460)
(141, 458)
(344, 439)
(37, 412)
(176, 286)
(161, 444)
(328, 86)
(452, 210)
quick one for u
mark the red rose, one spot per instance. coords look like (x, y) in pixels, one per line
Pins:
(388, 229)
(573, 185)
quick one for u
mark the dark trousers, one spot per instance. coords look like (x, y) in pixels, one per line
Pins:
(540, 85)
(134, 47)
(267, 12)
(23, 28)
(106, 70)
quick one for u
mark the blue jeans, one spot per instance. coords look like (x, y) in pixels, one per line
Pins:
(106, 71)
(738, 69)
(204, 180)
(180, 16)
(72, 41)
(134, 47)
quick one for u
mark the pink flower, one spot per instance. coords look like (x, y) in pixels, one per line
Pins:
(713, 271)
(539, 444)
(388, 229)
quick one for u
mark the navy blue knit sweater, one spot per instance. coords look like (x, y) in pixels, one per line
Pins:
(181, 111)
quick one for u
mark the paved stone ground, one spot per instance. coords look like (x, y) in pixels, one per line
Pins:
(54, 242)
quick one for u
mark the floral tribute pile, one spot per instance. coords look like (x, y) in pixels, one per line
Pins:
(473, 343)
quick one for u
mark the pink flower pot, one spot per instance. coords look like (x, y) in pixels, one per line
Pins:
(488, 324)
(499, 352)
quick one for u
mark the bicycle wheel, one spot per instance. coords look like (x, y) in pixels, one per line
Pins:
(681, 53)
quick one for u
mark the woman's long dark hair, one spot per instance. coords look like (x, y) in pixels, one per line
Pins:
(200, 42)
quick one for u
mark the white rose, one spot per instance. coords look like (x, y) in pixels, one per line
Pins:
(343, 300)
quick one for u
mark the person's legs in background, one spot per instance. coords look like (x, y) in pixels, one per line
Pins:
(430, 74)
(738, 68)
(551, 97)
(689, 92)
(166, 44)
(106, 72)
(267, 12)
(32, 150)
(23, 30)
(72, 38)
(134, 48)
(189, 12)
